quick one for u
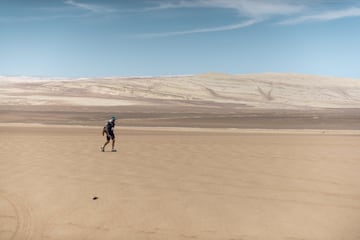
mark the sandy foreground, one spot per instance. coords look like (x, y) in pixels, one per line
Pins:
(178, 184)
(199, 157)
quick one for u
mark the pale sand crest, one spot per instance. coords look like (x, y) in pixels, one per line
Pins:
(271, 90)
(261, 101)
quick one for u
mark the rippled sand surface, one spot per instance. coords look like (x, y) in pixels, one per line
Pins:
(178, 184)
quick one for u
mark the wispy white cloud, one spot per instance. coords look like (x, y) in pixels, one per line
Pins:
(290, 12)
(324, 16)
(45, 13)
(201, 30)
(265, 9)
(255, 10)
(89, 7)
(297, 12)
(29, 19)
(250, 8)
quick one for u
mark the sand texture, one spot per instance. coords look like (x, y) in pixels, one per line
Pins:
(209, 100)
(212, 156)
(178, 185)
(271, 90)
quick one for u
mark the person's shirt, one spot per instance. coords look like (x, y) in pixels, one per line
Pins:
(110, 125)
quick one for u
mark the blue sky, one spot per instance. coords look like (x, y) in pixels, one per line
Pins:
(87, 38)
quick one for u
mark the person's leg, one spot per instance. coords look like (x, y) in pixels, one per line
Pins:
(113, 144)
(106, 143)
(112, 135)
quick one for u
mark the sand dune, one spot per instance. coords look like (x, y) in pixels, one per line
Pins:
(287, 91)
(209, 100)
(213, 156)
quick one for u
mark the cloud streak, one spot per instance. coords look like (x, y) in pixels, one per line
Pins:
(29, 19)
(249, 8)
(324, 16)
(255, 10)
(89, 7)
(201, 30)
(266, 9)
(280, 12)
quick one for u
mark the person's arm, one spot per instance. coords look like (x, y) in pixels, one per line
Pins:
(106, 130)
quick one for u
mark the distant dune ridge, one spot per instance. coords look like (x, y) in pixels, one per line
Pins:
(268, 100)
(264, 91)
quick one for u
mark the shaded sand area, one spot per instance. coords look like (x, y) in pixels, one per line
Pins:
(177, 184)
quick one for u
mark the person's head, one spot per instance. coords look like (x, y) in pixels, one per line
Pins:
(113, 118)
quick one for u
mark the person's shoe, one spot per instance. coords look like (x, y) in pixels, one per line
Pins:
(102, 149)
(113, 150)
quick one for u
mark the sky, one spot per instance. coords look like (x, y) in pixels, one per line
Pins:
(88, 38)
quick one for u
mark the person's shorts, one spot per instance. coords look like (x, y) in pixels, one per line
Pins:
(110, 135)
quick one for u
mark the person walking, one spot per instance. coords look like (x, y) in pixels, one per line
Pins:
(109, 131)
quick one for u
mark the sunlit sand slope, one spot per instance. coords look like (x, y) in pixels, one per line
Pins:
(287, 91)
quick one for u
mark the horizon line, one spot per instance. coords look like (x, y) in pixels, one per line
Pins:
(39, 77)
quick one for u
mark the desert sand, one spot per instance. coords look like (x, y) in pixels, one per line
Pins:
(224, 163)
